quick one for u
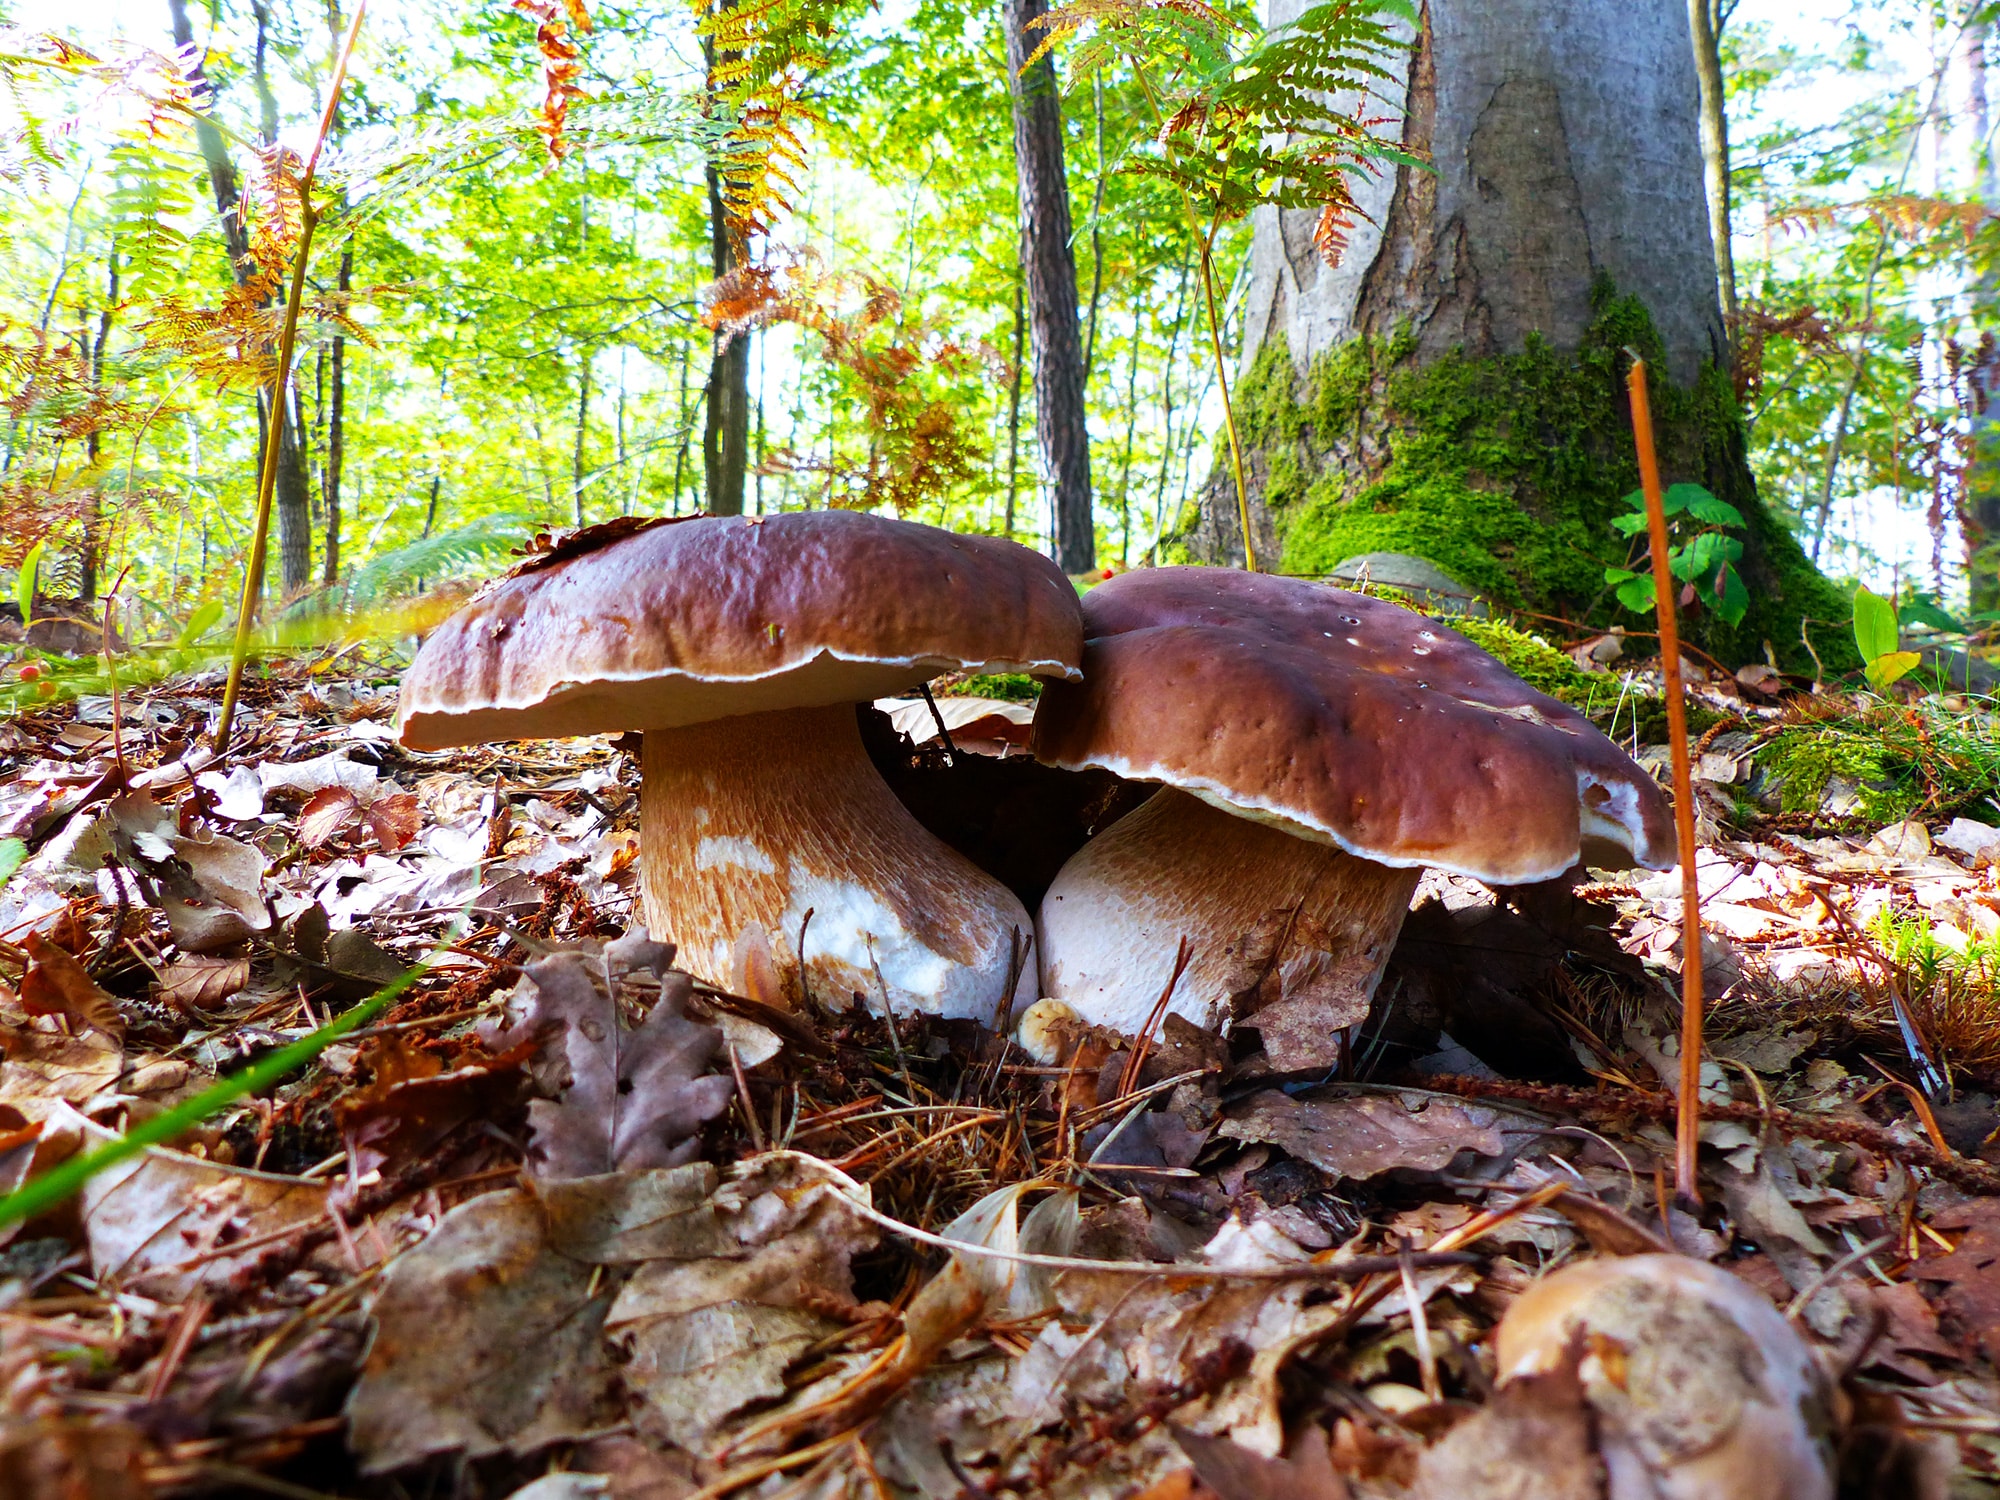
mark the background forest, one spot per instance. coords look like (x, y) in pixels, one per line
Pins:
(511, 296)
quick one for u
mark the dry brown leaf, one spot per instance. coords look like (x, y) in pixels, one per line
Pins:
(1235, 1472)
(326, 814)
(626, 1097)
(150, 1220)
(45, 1066)
(394, 820)
(57, 985)
(487, 1340)
(197, 981)
(412, 1102)
(1532, 1441)
(1360, 1136)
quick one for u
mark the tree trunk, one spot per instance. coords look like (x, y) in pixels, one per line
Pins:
(93, 515)
(576, 452)
(336, 432)
(1705, 20)
(294, 502)
(1043, 187)
(1979, 514)
(725, 435)
(1453, 388)
(294, 491)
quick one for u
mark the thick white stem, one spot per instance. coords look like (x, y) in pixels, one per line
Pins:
(1286, 935)
(756, 829)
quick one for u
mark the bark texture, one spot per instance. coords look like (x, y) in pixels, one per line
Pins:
(1565, 149)
(294, 495)
(336, 432)
(1453, 387)
(725, 432)
(1050, 268)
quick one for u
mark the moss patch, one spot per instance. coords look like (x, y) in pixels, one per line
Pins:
(1901, 760)
(1015, 687)
(1506, 473)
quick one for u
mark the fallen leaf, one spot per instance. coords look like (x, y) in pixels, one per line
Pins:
(413, 1101)
(394, 820)
(1971, 1270)
(57, 985)
(45, 1066)
(1361, 1136)
(197, 981)
(1531, 1441)
(146, 1218)
(1235, 1472)
(624, 1097)
(742, 1283)
(327, 812)
(486, 1341)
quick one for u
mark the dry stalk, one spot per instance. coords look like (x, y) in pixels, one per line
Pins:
(1688, 1132)
(267, 478)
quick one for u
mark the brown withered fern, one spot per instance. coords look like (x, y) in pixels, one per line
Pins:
(917, 450)
(763, 54)
(557, 25)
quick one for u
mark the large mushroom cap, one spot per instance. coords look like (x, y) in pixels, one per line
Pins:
(709, 617)
(1345, 719)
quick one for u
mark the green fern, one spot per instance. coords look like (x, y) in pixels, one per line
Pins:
(434, 557)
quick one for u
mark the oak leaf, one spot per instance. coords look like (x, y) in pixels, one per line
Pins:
(625, 1097)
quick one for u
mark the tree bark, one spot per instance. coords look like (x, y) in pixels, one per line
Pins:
(93, 515)
(294, 491)
(1043, 189)
(1979, 513)
(1563, 218)
(336, 431)
(725, 435)
(1705, 20)
(576, 452)
(294, 502)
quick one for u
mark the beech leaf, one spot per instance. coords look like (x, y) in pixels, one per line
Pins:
(56, 985)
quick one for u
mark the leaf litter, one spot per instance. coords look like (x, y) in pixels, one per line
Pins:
(565, 1222)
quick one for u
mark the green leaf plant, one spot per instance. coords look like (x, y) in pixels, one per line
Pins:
(1702, 554)
(1244, 118)
(1877, 632)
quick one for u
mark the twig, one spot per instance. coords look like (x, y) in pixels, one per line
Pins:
(1687, 1138)
(1420, 1323)
(1814, 1287)
(267, 478)
(937, 718)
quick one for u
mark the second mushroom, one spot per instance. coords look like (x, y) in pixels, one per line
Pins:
(1316, 750)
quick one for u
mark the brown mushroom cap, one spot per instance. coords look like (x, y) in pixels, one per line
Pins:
(712, 616)
(1346, 719)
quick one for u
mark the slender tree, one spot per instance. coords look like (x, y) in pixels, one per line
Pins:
(1050, 265)
(725, 434)
(1706, 19)
(293, 493)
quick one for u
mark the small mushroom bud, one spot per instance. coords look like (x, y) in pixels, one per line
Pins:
(1701, 1389)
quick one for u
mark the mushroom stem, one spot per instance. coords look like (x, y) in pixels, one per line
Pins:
(759, 829)
(1289, 935)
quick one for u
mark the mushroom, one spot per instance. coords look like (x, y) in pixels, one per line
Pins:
(1318, 749)
(771, 851)
(1701, 1389)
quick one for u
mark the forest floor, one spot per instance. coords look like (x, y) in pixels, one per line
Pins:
(451, 1258)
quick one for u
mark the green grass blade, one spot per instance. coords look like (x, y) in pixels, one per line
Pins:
(13, 854)
(59, 1182)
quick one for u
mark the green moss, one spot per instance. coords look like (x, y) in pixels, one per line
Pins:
(1016, 687)
(1900, 759)
(1506, 473)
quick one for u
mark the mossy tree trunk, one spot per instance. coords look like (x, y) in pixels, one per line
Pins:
(1453, 388)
